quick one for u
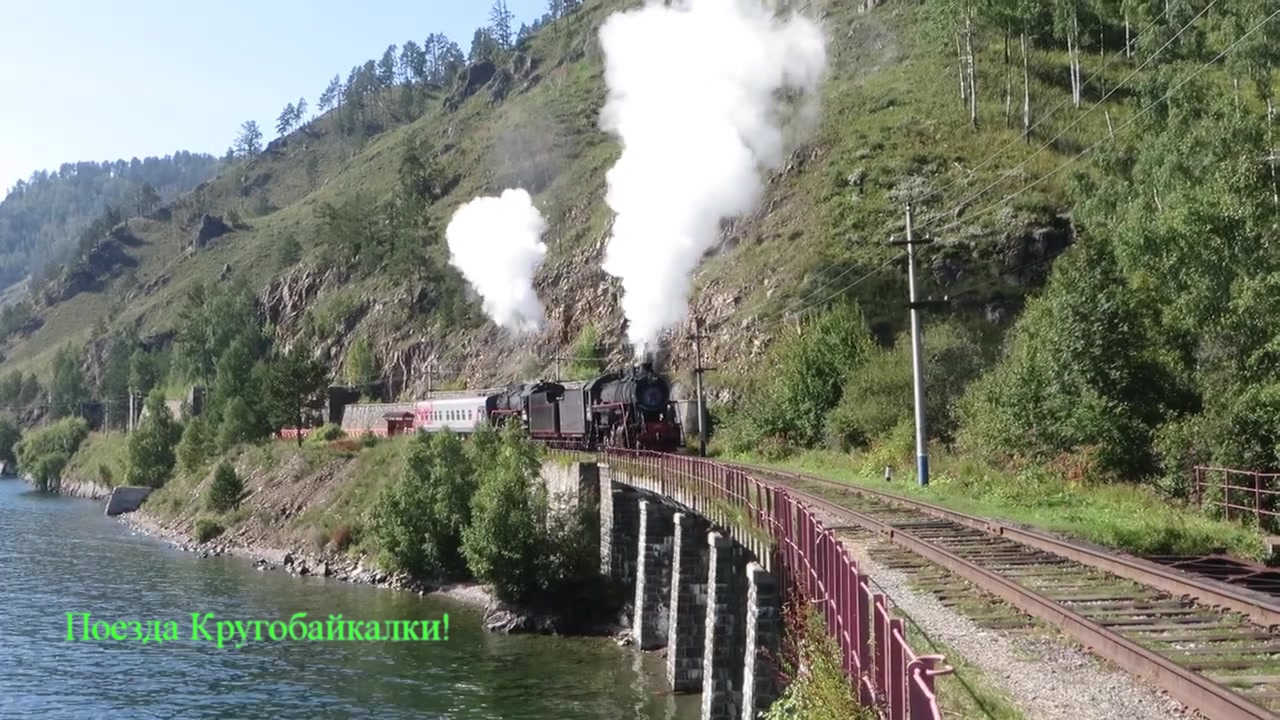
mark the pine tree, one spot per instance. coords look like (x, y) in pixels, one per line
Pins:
(387, 68)
(300, 111)
(151, 448)
(332, 93)
(500, 19)
(225, 491)
(249, 142)
(286, 119)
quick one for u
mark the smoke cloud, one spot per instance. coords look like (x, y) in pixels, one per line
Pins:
(695, 97)
(495, 242)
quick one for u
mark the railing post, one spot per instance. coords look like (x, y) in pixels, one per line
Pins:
(1257, 498)
(1226, 494)
(898, 670)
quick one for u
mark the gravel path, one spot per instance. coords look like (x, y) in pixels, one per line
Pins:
(1046, 679)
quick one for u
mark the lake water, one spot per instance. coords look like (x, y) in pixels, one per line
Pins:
(60, 555)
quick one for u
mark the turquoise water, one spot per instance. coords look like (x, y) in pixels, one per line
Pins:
(60, 555)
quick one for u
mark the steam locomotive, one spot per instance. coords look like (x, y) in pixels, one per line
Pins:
(631, 409)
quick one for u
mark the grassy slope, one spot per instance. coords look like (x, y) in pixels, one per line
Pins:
(101, 458)
(891, 113)
(1127, 517)
(294, 496)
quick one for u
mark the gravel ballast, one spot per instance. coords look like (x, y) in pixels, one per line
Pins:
(1047, 679)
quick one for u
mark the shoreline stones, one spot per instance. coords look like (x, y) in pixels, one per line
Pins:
(498, 617)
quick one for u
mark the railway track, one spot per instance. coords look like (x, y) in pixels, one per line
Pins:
(1210, 645)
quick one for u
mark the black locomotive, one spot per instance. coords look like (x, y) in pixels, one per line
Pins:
(631, 409)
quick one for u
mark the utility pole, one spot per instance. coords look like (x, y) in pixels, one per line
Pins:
(917, 350)
(129, 426)
(697, 375)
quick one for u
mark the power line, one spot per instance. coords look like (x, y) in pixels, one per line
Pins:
(1043, 117)
(1131, 121)
(1081, 117)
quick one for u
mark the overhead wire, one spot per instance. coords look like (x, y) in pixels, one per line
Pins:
(1044, 116)
(798, 306)
(1128, 123)
(1043, 146)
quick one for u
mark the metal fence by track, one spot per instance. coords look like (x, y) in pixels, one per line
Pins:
(1239, 494)
(810, 561)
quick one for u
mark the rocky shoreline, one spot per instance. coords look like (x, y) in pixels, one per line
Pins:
(499, 617)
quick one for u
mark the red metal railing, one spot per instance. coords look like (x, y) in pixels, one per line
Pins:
(1246, 492)
(887, 674)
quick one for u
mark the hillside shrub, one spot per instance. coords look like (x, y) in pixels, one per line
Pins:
(197, 446)
(151, 456)
(208, 529)
(505, 543)
(1081, 369)
(419, 521)
(44, 453)
(342, 538)
(10, 434)
(46, 471)
(479, 508)
(811, 663)
(326, 433)
(802, 381)
(878, 394)
(586, 360)
(240, 424)
(226, 488)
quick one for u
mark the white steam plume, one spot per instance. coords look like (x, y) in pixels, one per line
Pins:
(495, 242)
(694, 98)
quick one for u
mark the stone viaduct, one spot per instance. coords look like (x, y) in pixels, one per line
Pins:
(704, 591)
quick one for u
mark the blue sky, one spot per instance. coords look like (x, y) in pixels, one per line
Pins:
(107, 79)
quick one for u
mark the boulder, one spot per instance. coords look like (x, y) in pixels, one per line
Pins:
(211, 228)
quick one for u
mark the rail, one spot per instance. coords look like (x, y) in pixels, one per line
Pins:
(1248, 492)
(875, 654)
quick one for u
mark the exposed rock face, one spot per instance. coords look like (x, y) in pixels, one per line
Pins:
(472, 79)
(286, 299)
(102, 263)
(211, 228)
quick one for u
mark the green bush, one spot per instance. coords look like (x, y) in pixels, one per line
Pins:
(419, 521)
(10, 434)
(479, 508)
(805, 374)
(812, 662)
(1081, 369)
(326, 433)
(241, 423)
(225, 491)
(44, 453)
(878, 394)
(343, 537)
(46, 471)
(208, 529)
(876, 397)
(151, 456)
(585, 358)
(197, 445)
(505, 542)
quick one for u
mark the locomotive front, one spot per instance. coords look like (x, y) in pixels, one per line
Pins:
(633, 409)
